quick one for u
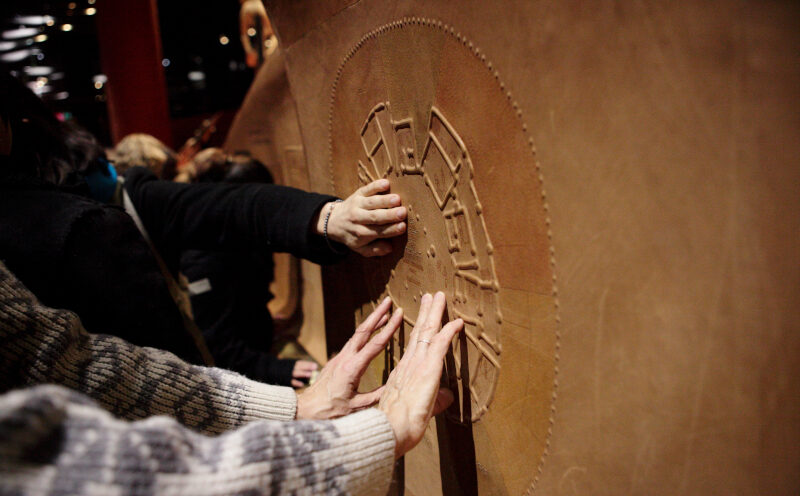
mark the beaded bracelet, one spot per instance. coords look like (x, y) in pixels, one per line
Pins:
(325, 228)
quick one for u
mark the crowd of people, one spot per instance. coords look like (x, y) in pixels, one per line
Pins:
(112, 383)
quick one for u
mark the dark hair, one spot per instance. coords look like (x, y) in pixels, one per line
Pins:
(43, 149)
(246, 169)
(239, 167)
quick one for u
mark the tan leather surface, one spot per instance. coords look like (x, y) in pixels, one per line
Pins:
(667, 136)
(301, 16)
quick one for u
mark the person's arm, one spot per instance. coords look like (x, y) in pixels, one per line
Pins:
(229, 217)
(53, 440)
(44, 345)
(265, 217)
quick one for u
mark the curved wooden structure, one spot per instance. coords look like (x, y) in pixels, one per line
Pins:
(610, 194)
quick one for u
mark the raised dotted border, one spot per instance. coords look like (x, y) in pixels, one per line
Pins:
(433, 23)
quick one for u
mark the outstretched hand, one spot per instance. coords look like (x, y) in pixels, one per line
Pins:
(335, 392)
(412, 394)
(364, 218)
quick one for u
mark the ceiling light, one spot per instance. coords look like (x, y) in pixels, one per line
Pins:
(39, 70)
(90, 11)
(66, 27)
(17, 55)
(15, 34)
(33, 20)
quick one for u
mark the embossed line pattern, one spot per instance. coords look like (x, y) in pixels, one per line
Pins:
(450, 30)
(445, 169)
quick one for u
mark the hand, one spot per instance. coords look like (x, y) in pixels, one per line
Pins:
(364, 217)
(302, 372)
(335, 392)
(248, 13)
(412, 394)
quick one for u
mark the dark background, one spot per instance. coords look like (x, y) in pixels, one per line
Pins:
(191, 35)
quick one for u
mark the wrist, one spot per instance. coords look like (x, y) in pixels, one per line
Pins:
(326, 224)
(301, 411)
(396, 422)
(319, 220)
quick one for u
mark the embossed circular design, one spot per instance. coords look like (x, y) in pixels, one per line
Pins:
(399, 108)
(437, 181)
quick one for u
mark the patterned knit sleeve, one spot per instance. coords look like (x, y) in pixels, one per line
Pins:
(57, 441)
(43, 345)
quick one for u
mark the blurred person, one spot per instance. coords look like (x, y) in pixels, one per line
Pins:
(229, 292)
(76, 251)
(144, 150)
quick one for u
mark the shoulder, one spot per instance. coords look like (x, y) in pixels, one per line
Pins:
(136, 176)
(47, 212)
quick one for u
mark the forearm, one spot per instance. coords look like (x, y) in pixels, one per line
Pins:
(229, 217)
(91, 452)
(43, 345)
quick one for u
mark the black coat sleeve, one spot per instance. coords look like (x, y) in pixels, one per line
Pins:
(228, 217)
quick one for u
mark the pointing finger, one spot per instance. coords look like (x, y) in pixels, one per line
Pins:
(378, 343)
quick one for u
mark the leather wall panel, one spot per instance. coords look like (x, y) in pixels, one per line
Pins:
(640, 191)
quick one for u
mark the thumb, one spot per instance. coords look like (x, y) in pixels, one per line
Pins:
(375, 249)
(366, 400)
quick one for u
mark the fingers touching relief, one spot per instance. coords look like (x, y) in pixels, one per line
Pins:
(366, 216)
(335, 393)
(412, 392)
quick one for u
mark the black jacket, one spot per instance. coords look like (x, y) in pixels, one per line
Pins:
(89, 257)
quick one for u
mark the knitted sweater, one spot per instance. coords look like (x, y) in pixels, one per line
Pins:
(57, 441)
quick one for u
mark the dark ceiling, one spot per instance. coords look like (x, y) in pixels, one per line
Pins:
(64, 66)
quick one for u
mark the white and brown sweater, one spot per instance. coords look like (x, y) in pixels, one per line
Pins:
(129, 420)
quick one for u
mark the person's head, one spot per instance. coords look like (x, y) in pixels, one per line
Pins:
(38, 148)
(144, 150)
(246, 169)
(210, 165)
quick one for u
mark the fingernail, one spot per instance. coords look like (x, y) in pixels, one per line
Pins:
(396, 200)
(401, 213)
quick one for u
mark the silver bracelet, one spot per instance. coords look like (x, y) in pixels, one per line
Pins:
(325, 228)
